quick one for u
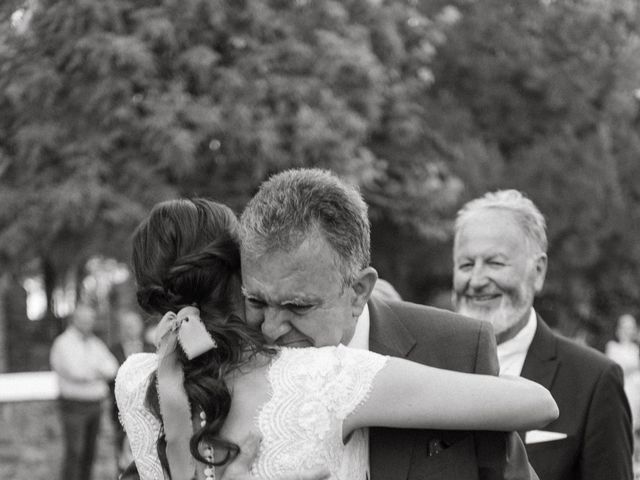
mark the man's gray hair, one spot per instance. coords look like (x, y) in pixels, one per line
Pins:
(294, 204)
(524, 211)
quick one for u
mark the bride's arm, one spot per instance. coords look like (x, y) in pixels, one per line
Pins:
(406, 394)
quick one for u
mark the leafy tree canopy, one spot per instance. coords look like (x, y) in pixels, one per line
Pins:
(108, 107)
(551, 90)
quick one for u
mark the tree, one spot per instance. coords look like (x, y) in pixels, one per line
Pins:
(549, 88)
(109, 107)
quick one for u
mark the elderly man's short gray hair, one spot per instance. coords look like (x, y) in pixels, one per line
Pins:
(522, 208)
(297, 203)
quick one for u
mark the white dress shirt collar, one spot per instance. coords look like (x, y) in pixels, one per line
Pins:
(360, 337)
(359, 441)
(512, 353)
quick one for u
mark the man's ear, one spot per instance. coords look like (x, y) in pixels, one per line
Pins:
(540, 271)
(362, 288)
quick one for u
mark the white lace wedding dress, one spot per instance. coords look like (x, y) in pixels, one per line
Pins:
(313, 391)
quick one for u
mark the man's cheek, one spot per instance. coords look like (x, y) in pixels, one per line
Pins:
(254, 317)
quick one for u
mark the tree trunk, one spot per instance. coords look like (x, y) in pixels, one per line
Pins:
(50, 276)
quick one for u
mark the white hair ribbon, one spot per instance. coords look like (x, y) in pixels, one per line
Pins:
(185, 328)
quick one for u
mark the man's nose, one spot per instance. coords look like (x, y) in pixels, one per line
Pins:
(478, 277)
(275, 323)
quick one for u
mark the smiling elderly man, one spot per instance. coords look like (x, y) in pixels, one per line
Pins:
(500, 263)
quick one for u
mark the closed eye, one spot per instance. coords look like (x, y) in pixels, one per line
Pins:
(256, 302)
(299, 309)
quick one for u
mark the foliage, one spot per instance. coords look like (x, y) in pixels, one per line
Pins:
(550, 87)
(111, 106)
(108, 107)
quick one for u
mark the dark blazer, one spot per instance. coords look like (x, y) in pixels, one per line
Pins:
(440, 339)
(594, 412)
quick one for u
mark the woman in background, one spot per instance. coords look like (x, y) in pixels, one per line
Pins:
(625, 351)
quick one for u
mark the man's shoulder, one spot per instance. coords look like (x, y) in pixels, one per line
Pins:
(418, 313)
(435, 337)
(575, 355)
(420, 318)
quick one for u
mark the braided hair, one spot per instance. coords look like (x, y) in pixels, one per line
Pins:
(186, 252)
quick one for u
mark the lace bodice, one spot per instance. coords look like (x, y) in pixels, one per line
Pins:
(313, 391)
(142, 427)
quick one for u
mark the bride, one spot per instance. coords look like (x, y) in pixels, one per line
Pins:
(214, 381)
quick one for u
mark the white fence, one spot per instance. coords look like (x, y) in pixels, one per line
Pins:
(28, 386)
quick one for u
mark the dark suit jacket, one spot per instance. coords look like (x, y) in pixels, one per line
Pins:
(445, 340)
(594, 411)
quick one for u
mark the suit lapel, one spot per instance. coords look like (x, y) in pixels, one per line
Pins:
(387, 334)
(541, 362)
(388, 458)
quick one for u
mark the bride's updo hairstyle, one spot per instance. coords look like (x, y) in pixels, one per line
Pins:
(186, 253)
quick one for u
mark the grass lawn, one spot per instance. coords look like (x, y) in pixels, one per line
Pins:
(31, 445)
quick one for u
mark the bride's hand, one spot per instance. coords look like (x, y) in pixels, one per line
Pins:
(240, 468)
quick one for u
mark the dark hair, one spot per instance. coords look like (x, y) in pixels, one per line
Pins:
(186, 252)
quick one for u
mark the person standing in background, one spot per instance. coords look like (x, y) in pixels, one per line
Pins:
(500, 263)
(84, 367)
(626, 353)
(131, 340)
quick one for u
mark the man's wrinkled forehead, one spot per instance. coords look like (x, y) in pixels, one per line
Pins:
(306, 250)
(279, 237)
(300, 271)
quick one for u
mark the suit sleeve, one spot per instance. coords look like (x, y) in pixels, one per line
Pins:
(501, 455)
(487, 353)
(608, 437)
